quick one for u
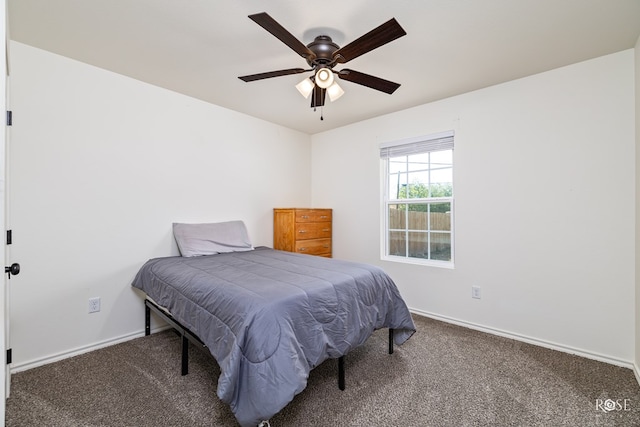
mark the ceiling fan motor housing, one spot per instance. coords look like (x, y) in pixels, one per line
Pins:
(323, 48)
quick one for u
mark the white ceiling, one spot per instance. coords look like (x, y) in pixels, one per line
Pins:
(200, 47)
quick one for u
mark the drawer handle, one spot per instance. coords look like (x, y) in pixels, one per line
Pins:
(325, 229)
(326, 246)
(305, 216)
(302, 249)
(302, 231)
(323, 216)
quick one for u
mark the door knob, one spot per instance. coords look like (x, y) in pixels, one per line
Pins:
(13, 269)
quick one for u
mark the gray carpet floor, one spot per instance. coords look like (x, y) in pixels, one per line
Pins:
(445, 375)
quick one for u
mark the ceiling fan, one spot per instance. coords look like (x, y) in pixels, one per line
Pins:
(322, 54)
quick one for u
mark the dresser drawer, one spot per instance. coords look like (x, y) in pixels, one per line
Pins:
(314, 247)
(313, 230)
(313, 215)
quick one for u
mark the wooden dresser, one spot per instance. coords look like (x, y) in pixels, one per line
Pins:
(305, 231)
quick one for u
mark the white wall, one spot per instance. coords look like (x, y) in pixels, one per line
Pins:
(100, 166)
(545, 196)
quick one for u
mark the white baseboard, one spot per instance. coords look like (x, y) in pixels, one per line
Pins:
(535, 341)
(23, 366)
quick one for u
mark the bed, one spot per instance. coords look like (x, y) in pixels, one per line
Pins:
(269, 317)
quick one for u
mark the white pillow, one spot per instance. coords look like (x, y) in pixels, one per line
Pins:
(211, 239)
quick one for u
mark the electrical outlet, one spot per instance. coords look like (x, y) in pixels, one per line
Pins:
(94, 304)
(475, 292)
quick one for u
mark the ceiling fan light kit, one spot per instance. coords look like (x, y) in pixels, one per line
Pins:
(322, 54)
(305, 87)
(324, 77)
(334, 91)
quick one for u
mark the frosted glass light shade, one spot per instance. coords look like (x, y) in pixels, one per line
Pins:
(324, 77)
(305, 87)
(334, 91)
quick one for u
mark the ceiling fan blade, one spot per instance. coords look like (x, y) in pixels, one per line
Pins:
(385, 33)
(260, 76)
(318, 96)
(369, 81)
(270, 24)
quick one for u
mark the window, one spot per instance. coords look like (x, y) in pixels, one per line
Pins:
(418, 200)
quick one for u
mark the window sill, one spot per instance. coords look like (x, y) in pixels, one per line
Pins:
(417, 261)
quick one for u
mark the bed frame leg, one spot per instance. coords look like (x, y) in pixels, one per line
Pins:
(341, 372)
(390, 340)
(147, 320)
(185, 355)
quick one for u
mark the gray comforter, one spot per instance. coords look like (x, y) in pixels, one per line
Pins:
(269, 317)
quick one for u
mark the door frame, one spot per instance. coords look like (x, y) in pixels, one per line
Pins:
(5, 375)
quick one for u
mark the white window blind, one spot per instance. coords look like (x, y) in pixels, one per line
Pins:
(435, 142)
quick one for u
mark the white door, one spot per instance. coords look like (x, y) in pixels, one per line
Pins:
(4, 372)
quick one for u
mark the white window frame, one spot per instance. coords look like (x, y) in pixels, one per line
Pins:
(433, 142)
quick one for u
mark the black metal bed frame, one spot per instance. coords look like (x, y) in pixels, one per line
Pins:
(186, 335)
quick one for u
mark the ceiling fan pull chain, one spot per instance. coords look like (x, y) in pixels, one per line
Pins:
(322, 112)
